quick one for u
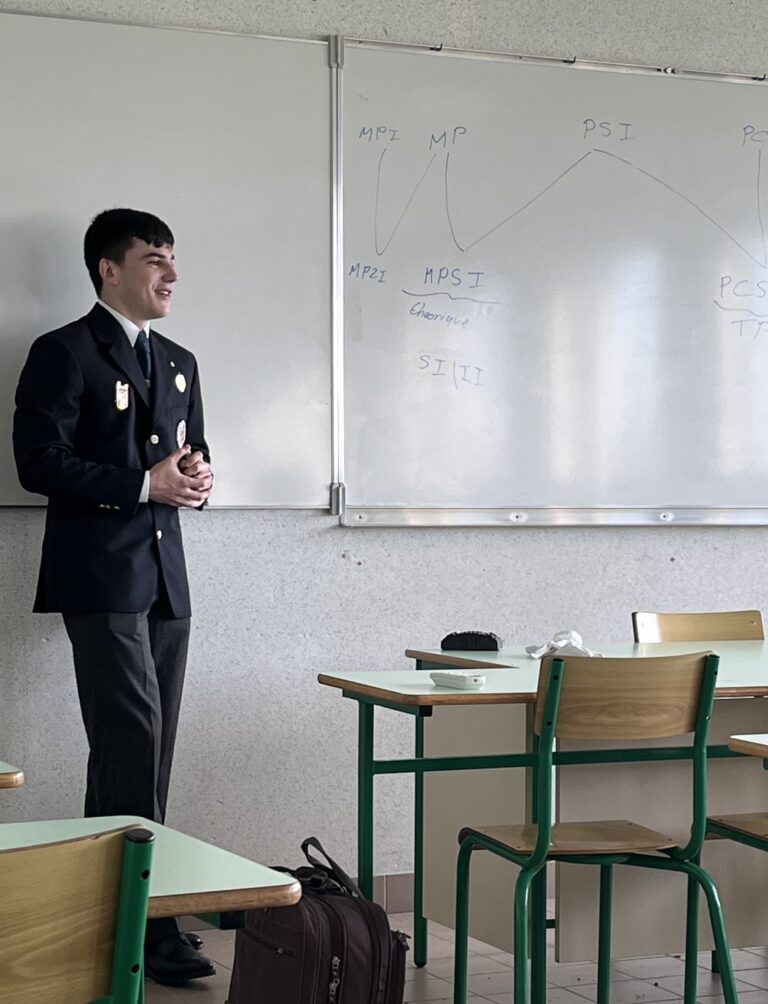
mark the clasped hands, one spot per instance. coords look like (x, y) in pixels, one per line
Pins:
(183, 479)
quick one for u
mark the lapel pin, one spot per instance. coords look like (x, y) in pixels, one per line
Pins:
(180, 382)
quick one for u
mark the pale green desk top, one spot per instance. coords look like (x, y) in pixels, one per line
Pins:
(10, 777)
(412, 687)
(743, 673)
(188, 875)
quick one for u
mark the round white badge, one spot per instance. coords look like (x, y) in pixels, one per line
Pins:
(181, 433)
(180, 382)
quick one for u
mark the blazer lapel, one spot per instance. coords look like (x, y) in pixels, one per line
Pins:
(107, 331)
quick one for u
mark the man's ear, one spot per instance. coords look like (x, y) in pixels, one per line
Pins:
(109, 272)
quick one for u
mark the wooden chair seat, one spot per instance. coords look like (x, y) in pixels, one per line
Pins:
(754, 824)
(605, 836)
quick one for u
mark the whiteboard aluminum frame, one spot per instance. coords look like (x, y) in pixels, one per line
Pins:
(195, 30)
(393, 516)
(336, 58)
(446, 516)
(582, 64)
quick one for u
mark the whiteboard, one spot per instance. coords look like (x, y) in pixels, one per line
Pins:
(227, 138)
(556, 291)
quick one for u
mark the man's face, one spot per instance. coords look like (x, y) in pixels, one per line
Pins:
(141, 286)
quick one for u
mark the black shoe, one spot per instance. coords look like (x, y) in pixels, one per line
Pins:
(174, 962)
(194, 939)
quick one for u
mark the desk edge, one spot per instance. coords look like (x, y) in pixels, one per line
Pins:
(750, 749)
(223, 900)
(463, 697)
(12, 780)
(453, 659)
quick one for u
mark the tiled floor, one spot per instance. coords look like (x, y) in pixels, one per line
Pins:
(637, 981)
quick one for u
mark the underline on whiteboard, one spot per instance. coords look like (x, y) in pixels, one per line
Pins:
(444, 292)
(380, 251)
(740, 310)
(511, 216)
(762, 263)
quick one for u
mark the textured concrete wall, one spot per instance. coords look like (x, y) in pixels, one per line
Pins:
(264, 756)
(719, 35)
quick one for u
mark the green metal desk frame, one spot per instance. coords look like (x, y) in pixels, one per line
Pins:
(368, 767)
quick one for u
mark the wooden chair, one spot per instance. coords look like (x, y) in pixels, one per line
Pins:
(748, 828)
(72, 919)
(725, 625)
(602, 699)
(720, 625)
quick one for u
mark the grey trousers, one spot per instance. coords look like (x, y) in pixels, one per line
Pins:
(130, 675)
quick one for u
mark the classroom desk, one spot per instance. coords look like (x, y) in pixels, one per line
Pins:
(753, 745)
(188, 875)
(10, 777)
(512, 680)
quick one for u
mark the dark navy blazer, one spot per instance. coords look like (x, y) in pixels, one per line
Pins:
(83, 435)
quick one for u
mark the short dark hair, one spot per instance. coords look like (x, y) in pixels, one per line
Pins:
(113, 232)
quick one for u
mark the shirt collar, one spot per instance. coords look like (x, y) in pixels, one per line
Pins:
(131, 330)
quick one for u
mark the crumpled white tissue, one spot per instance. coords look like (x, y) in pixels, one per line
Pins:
(562, 643)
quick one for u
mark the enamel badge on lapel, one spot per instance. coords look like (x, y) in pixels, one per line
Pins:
(122, 398)
(180, 382)
(181, 433)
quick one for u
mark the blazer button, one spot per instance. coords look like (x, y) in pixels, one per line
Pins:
(159, 534)
(154, 439)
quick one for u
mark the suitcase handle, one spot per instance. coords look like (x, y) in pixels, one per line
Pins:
(336, 871)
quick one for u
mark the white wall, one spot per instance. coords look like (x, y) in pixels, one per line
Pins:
(265, 756)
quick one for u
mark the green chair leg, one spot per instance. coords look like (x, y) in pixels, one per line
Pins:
(522, 919)
(718, 930)
(604, 935)
(539, 938)
(691, 941)
(705, 882)
(462, 923)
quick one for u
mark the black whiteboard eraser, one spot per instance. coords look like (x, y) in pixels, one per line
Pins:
(471, 641)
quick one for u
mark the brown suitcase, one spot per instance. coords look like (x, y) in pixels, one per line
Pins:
(333, 947)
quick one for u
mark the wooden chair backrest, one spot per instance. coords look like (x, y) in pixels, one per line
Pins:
(724, 625)
(625, 698)
(58, 907)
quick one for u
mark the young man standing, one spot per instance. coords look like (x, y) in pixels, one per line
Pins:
(109, 426)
